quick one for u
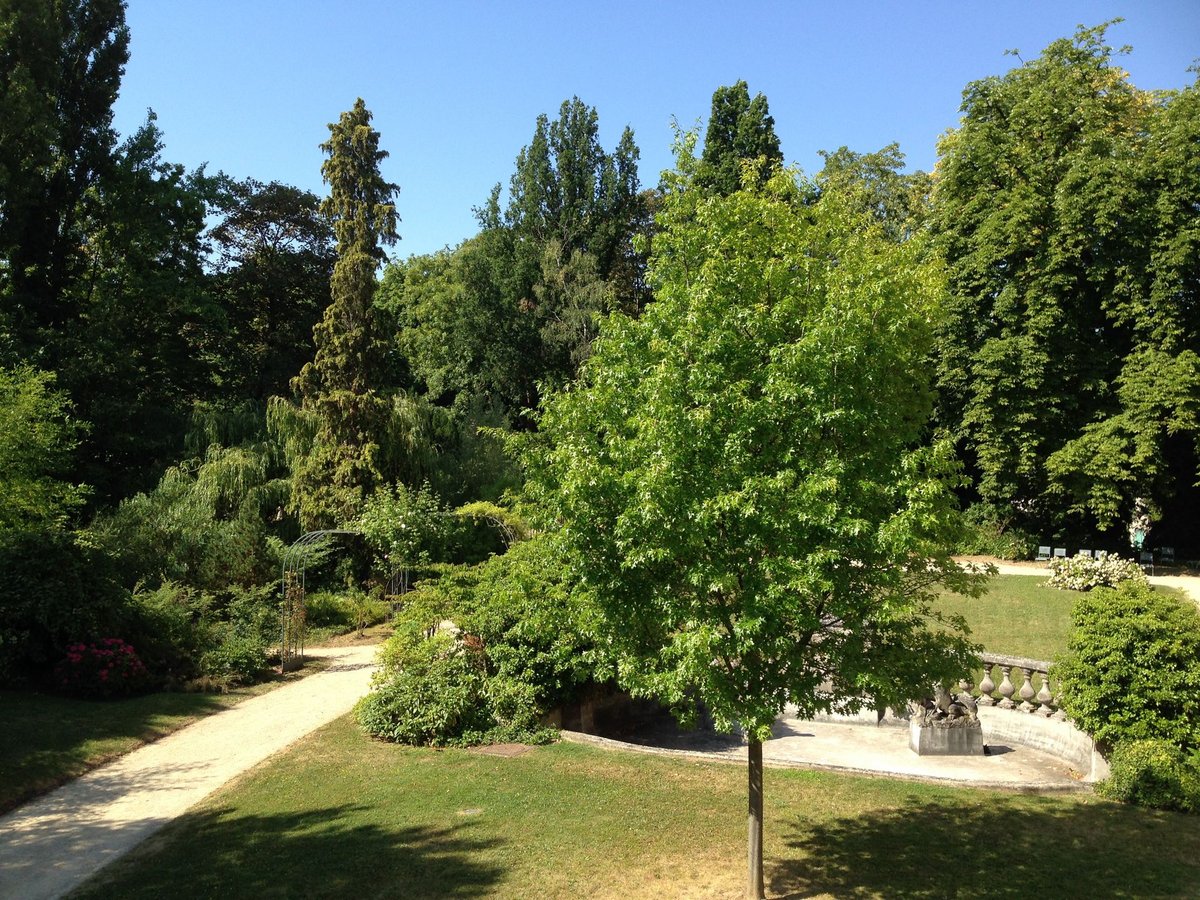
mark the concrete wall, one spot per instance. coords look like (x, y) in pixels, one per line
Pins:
(1054, 736)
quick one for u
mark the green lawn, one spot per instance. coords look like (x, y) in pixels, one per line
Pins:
(1018, 616)
(342, 816)
(50, 739)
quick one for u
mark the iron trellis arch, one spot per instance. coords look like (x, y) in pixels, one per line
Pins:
(291, 644)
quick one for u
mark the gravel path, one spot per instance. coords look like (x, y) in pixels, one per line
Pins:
(50, 845)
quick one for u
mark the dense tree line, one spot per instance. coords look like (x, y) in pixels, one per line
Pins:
(196, 368)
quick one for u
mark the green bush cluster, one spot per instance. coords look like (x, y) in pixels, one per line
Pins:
(184, 633)
(342, 611)
(55, 590)
(985, 535)
(1154, 773)
(435, 698)
(1130, 678)
(515, 651)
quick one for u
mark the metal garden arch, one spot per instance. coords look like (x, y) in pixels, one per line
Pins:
(291, 644)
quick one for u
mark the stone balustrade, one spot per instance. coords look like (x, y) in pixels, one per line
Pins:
(1015, 690)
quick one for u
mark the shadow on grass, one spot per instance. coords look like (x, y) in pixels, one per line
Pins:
(54, 739)
(999, 847)
(331, 852)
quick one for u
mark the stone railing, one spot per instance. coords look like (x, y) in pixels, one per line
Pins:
(1006, 694)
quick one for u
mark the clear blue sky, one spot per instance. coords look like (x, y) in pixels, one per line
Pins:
(248, 86)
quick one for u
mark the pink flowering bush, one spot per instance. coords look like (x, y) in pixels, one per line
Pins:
(105, 668)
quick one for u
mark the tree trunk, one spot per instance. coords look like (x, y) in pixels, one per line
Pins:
(754, 823)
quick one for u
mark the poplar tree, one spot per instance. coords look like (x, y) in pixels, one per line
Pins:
(342, 407)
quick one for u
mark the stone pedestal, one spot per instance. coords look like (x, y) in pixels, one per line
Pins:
(962, 738)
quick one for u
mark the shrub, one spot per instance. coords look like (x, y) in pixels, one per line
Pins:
(1154, 773)
(520, 630)
(102, 669)
(1082, 573)
(55, 590)
(985, 536)
(434, 699)
(175, 626)
(324, 609)
(239, 659)
(1131, 670)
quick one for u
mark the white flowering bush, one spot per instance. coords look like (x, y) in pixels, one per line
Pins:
(1082, 573)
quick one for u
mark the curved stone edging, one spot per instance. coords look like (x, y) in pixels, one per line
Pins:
(739, 756)
(1057, 737)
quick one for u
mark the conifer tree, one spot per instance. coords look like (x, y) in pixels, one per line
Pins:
(342, 406)
(740, 130)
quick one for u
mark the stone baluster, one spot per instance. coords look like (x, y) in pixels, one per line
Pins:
(1006, 689)
(1027, 692)
(1044, 697)
(987, 686)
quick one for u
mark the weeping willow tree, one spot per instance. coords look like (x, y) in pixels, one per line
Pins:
(333, 436)
(206, 525)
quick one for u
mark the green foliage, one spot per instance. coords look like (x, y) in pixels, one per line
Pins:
(342, 408)
(63, 62)
(517, 650)
(365, 609)
(274, 258)
(184, 634)
(489, 325)
(1132, 667)
(55, 589)
(174, 626)
(406, 527)
(37, 434)
(1067, 366)
(737, 477)
(875, 182)
(1082, 573)
(1154, 773)
(240, 658)
(432, 697)
(134, 374)
(989, 535)
(204, 525)
(740, 132)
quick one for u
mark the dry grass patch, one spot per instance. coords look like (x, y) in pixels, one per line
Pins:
(341, 815)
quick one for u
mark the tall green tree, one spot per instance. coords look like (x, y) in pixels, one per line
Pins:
(1066, 209)
(740, 131)
(274, 256)
(739, 479)
(899, 201)
(343, 408)
(138, 352)
(572, 213)
(61, 63)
